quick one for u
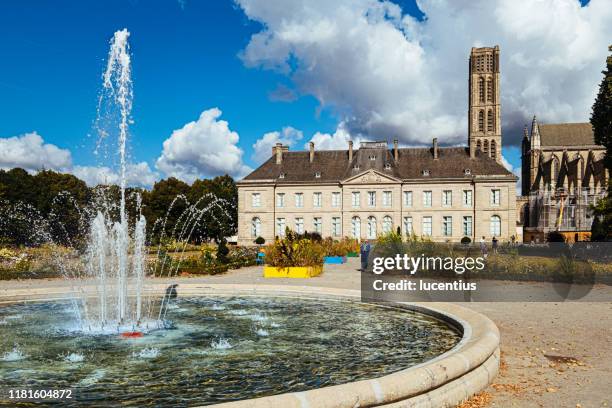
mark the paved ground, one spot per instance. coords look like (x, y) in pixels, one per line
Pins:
(554, 354)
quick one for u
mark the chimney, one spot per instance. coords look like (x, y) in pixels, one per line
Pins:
(395, 150)
(435, 148)
(279, 153)
(311, 151)
(350, 151)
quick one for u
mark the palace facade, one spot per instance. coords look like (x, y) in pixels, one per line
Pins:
(444, 193)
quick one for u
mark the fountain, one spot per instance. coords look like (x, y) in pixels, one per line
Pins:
(116, 260)
(225, 345)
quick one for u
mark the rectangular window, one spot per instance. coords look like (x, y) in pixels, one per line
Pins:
(317, 224)
(280, 227)
(427, 226)
(408, 226)
(371, 198)
(447, 226)
(299, 200)
(426, 198)
(256, 200)
(336, 226)
(387, 198)
(335, 199)
(407, 198)
(355, 199)
(316, 199)
(495, 225)
(467, 226)
(447, 198)
(299, 225)
(467, 198)
(495, 196)
(280, 200)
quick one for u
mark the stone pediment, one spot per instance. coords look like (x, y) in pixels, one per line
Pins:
(371, 177)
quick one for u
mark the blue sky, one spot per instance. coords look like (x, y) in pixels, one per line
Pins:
(191, 56)
(185, 60)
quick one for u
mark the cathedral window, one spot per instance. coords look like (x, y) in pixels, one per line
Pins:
(481, 121)
(555, 172)
(481, 90)
(490, 121)
(486, 147)
(478, 145)
(493, 149)
(490, 90)
(490, 63)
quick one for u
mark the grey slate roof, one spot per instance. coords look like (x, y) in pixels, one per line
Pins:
(566, 134)
(334, 165)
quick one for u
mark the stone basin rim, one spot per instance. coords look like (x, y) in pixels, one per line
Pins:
(445, 380)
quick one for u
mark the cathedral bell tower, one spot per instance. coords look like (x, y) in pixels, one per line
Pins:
(484, 116)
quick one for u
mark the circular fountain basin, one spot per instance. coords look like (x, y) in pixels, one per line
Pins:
(269, 348)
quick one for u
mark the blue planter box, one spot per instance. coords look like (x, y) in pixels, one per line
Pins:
(334, 259)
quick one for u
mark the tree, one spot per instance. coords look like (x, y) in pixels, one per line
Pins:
(166, 202)
(62, 199)
(601, 117)
(598, 231)
(219, 197)
(601, 120)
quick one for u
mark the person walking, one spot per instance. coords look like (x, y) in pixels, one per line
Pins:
(364, 251)
(494, 244)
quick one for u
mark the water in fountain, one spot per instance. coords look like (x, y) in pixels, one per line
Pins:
(109, 278)
(116, 259)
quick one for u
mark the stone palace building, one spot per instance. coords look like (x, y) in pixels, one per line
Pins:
(444, 193)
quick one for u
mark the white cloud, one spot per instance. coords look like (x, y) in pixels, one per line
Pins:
(30, 152)
(203, 148)
(387, 74)
(514, 170)
(138, 175)
(336, 141)
(262, 148)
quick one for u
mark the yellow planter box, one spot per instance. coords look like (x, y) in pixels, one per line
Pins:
(292, 271)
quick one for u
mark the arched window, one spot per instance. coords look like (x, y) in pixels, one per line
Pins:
(356, 227)
(481, 89)
(481, 121)
(495, 226)
(490, 121)
(554, 177)
(371, 227)
(490, 90)
(478, 145)
(580, 170)
(486, 147)
(493, 149)
(387, 225)
(255, 227)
